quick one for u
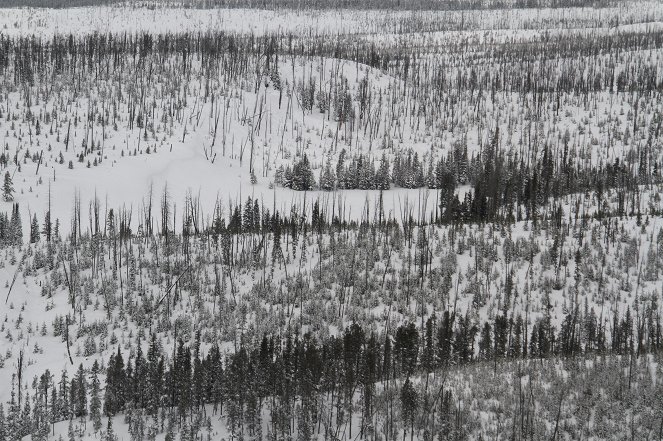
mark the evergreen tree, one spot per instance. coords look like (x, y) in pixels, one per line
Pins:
(8, 188)
(409, 403)
(407, 348)
(71, 435)
(3, 428)
(428, 358)
(64, 396)
(501, 336)
(464, 339)
(302, 176)
(79, 393)
(95, 399)
(47, 226)
(382, 180)
(485, 342)
(115, 384)
(155, 373)
(110, 433)
(515, 347)
(16, 227)
(327, 178)
(34, 230)
(445, 339)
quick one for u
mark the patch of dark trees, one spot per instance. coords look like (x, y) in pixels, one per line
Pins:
(447, 5)
(282, 371)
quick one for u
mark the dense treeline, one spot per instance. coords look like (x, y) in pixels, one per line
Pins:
(503, 183)
(543, 157)
(299, 378)
(294, 382)
(433, 93)
(318, 4)
(103, 54)
(57, 3)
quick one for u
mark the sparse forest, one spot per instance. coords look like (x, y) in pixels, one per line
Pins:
(296, 221)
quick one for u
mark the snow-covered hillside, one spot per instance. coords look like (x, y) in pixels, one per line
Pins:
(331, 224)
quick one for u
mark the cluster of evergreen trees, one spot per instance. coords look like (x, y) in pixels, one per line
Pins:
(11, 230)
(297, 377)
(360, 172)
(52, 400)
(439, 88)
(503, 183)
(299, 177)
(436, 91)
(290, 367)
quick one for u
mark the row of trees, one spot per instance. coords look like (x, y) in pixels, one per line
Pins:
(315, 4)
(115, 270)
(299, 378)
(502, 182)
(11, 230)
(31, 58)
(425, 94)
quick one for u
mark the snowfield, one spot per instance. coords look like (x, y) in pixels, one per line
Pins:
(120, 19)
(339, 224)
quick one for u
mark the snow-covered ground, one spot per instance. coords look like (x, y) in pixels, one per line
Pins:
(120, 19)
(180, 152)
(127, 135)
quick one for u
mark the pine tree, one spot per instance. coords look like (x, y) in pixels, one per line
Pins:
(170, 431)
(340, 169)
(444, 339)
(110, 433)
(327, 178)
(256, 215)
(409, 403)
(247, 219)
(534, 341)
(115, 383)
(34, 230)
(382, 175)
(47, 226)
(4, 228)
(16, 227)
(55, 405)
(79, 393)
(95, 399)
(428, 357)
(182, 370)
(485, 342)
(71, 435)
(302, 176)
(41, 412)
(464, 339)
(515, 348)
(501, 336)
(25, 419)
(64, 395)
(8, 188)
(3, 430)
(154, 376)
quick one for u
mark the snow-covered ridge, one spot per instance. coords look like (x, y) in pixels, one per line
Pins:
(120, 19)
